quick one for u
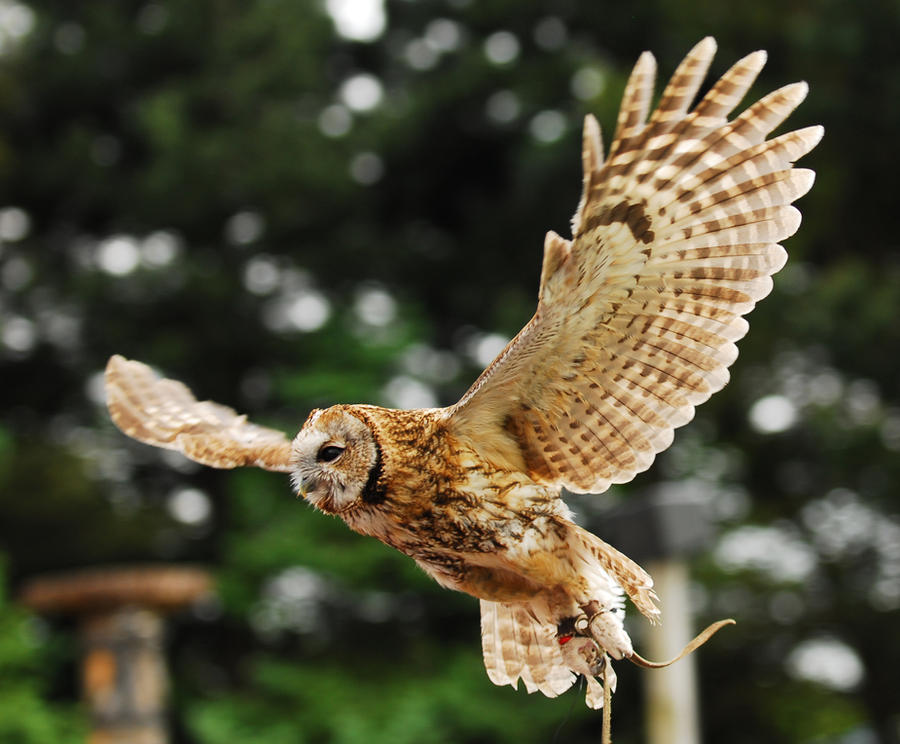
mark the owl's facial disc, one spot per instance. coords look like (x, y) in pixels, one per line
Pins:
(332, 457)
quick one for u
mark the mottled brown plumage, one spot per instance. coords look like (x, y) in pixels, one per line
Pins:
(675, 239)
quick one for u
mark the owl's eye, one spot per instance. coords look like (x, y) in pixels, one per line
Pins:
(329, 453)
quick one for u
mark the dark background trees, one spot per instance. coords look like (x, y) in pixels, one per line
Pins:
(285, 216)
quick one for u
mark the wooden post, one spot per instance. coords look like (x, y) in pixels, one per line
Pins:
(672, 714)
(123, 671)
(661, 532)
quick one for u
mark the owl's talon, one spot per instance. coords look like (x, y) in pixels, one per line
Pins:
(601, 625)
(582, 655)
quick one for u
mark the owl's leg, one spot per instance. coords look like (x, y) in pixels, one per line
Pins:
(583, 655)
(599, 624)
(605, 625)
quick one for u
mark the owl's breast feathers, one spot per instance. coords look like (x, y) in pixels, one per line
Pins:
(469, 523)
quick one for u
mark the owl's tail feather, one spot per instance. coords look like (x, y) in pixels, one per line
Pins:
(517, 646)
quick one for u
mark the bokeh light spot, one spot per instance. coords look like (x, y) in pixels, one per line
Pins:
(773, 414)
(357, 20)
(485, 348)
(301, 310)
(444, 34)
(421, 54)
(244, 227)
(118, 255)
(503, 107)
(15, 224)
(588, 83)
(501, 48)
(16, 274)
(548, 126)
(362, 92)
(550, 33)
(406, 392)
(16, 22)
(828, 662)
(366, 168)
(261, 275)
(772, 551)
(159, 249)
(189, 506)
(152, 18)
(18, 334)
(375, 306)
(335, 120)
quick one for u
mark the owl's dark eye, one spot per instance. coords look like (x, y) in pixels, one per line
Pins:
(329, 453)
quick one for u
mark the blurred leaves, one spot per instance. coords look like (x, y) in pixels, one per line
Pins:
(26, 716)
(368, 703)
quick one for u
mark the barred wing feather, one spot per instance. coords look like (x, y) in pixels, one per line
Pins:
(166, 414)
(675, 239)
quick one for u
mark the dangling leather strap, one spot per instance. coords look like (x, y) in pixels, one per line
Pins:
(702, 638)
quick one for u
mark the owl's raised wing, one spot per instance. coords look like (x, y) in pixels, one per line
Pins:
(165, 413)
(675, 239)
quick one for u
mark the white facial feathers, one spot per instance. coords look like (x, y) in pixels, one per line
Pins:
(332, 458)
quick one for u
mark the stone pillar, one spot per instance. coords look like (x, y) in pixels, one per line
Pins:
(124, 680)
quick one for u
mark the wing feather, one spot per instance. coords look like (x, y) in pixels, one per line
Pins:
(635, 99)
(675, 239)
(684, 84)
(731, 88)
(166, 414)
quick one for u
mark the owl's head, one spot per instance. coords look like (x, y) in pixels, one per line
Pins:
(333, 459)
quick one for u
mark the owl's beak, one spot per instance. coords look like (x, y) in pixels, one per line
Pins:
(304, 487)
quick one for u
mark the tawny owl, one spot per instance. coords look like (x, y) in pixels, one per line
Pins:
(675, 239)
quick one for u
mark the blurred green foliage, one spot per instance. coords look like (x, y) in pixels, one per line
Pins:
(200, 185)
(25, 714)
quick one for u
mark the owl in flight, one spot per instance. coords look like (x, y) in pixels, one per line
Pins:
(674, 241)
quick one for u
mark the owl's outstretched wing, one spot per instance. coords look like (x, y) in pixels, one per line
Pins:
(165, 413)
(675, 239)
